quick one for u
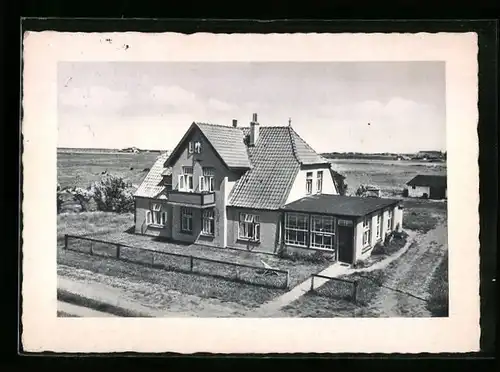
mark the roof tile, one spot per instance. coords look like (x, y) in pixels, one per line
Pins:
(152, 185)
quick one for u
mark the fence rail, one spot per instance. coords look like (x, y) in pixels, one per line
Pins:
(249, 274)
(358, 291)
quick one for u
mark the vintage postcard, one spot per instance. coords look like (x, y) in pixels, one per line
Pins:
(250, 193)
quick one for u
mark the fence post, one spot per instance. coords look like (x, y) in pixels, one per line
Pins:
(287, 279)
(191, 263)
(312, 283)
(355, 292)
(65, 241)
(118, 251)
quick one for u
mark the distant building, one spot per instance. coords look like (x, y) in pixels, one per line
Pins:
(427, 186)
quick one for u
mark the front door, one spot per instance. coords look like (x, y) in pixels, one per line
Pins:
(345, 241)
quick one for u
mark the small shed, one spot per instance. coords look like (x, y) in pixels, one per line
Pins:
(428, 186)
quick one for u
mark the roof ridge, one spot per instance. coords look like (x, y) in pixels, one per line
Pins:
(215, 125)
(292, 141)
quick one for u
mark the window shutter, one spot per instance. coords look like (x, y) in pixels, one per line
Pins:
(202, 183)
(180, 185)
(148, 217)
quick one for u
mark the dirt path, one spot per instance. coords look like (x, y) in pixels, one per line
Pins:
(411, 273)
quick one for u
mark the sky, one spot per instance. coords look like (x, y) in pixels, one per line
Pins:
(334, 106)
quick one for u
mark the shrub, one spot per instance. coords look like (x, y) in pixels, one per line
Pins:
(340, 182)
(112, 194)
(360, 264)
(378, 249)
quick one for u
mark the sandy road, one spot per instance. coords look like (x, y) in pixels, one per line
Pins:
(412, 273)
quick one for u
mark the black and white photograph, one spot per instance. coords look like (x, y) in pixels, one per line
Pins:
(252, 188)
(280, 189)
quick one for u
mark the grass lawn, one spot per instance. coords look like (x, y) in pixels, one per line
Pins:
(328, 301)
(438, 302)
(156, 287)
(423, 215)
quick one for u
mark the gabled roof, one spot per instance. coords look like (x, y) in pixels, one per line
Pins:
(152, 184)
(226, 141)
(275, 165)
(349, 206)
(428, 180)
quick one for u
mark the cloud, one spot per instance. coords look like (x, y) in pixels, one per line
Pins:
(218, 105)
(172, 95)
(95, 97)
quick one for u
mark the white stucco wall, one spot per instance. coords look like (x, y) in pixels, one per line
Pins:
(418, 191)
(298, 189)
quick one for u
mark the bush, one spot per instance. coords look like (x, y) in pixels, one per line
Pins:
(378, 249)
(111, 194)
(340, 182)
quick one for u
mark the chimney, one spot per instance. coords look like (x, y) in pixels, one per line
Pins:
(254, 130)
(235, 123)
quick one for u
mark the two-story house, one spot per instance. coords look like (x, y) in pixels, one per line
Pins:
(257, 188)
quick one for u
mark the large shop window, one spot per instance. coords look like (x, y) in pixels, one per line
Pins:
(297, 229)
(323, 232)
(249, 227)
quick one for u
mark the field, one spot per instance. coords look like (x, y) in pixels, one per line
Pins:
(390, 175)
(81, 169)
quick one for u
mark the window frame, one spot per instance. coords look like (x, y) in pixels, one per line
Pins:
(190, 147)
(251, 223)
(187, 217)
(156, 216)
(378, 227)
(185, 179)
(207, 179)
(367, 231)
(309, 182)
(319, 182)
(321, 232)
(209, 220)
(390, 217)
(290, 229)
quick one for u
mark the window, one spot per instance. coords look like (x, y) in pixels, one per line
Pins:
(309, 182)
(208, 222)
(197, 147)
(190, 148)
(249, 227)
(186, 179)
(319, 182)
(168, 182)
(156, 216)
(297, 229)
(186, 220)
(322, 232)
(207, 180)
(389, 220)
(367, 231)
(413, 187)
(378, 230)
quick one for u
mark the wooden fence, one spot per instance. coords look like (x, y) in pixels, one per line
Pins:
(249, 274)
